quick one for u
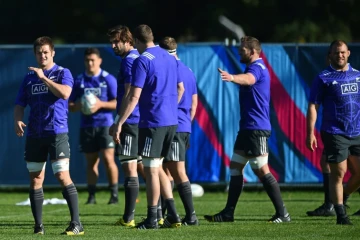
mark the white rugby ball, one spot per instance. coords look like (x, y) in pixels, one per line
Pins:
(88, 100)
(197, 190)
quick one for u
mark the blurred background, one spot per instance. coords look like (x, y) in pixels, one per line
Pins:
(86, 21)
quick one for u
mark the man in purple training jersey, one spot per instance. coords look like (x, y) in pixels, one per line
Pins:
(94, 128)
(174, 162)
(46, 90)
(337, 89)
(155, 86)
(127, 151)
(251, 144)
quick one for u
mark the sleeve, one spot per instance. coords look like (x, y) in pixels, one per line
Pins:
(21, 98)
(126, 73)
(255, 70)
(139, 72)
(317, 91)
(193, 82)
(75, 92)
(179, 79)
(67, 78)
(112, 87)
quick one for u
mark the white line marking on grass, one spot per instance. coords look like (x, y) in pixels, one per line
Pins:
(27, 214)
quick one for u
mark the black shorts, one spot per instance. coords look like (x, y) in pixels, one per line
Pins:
(129, 138)
(156, 142)
(38, 149)
(93, 139)
(339, 147)
(253, 142)
(178, 147)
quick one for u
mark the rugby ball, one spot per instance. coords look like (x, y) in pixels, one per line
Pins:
(88, 100)
(197, 190)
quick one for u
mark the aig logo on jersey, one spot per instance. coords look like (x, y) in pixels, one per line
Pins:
(95, 91)
(39, 89)
(349, 88)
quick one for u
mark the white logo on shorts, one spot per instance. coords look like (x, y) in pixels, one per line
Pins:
(111, 144)
(61, 154)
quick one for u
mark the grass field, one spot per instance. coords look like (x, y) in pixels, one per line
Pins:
(253, 210)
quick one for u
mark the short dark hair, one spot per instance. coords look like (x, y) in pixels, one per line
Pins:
(92, 50)
(143, 33)
(337, 43)
(121, 33)
(168, 43)
(44, 40)
(251, 43)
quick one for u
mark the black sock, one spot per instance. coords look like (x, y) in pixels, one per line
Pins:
(36, 201)
(170, 204)
(273, 190)
(71, 195)
(91, 190)
(131, 186)
(345, 198)
(159, 212)
(185, 193)
(327, 199)
(114, 189)
(152, 214)
(235, 188)
(340, 210)
(163, 203)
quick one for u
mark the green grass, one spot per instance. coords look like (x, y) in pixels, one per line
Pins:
(254, 208)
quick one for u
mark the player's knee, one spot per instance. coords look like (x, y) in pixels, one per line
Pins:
(238, 159)
(60, 166)
(152, 162)
(35, 166)
(127, 160)
(235, 172)
(259, 163)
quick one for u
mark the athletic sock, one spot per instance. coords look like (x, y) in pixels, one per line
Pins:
(185, 193)
(273, 190)
(71, 195)
(131, 186)
(36, 200)
(235, 188)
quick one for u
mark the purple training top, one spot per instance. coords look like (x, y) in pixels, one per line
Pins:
(123, 78)
(48, 113)
(338, 92)
(255, 99)
(155, 71)
(104, 87)
(184, 108)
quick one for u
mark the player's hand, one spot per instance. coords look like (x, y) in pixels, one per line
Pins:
(19, 128)
(225, 76)
(39, 72)
(311, 142)
(112, 129)
(98, 104)
(116, 133)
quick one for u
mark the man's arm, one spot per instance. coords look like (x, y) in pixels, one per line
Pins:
(128, 105)
(245, 79)
(311, 117)
(59, 90)
(19, 124)
(74, 106)
(110, 105)
(194, 103)
(180, 90)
